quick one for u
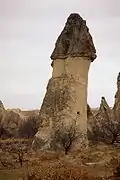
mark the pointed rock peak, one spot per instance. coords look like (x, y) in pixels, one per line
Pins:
(118, 81)
(1, 105)
(75, 40)
(89, 111)
(118, 76)
(104, 105)
(116, 106)
(103, 99)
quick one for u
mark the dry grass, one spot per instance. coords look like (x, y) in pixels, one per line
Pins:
(88, 165)
(59, 170)
(95, 163)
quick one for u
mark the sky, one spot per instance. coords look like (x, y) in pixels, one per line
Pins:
(28, 32)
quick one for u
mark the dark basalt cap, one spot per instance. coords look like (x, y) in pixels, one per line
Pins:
(75, 40)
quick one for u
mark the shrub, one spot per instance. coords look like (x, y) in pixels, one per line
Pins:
(64, 137)
(29, 127)
(59, 170)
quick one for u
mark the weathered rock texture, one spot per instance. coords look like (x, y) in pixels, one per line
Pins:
(97, 122)
(2, 110)
(116, 108)
(91, 120)
(11, 122)
(104, 111)
(65, 102)
(75, 40)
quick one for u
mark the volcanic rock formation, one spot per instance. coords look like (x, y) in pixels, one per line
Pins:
(116, 108)
(11, 122)
(104, 113)
(97, 122)
(2, 110)
(91, 119)
(104, 109)
(65, 102)
(74, 41)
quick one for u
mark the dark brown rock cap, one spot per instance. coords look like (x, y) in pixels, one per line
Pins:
(75, 40)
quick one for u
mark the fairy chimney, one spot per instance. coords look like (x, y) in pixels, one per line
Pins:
(116, 107)
(65, 102)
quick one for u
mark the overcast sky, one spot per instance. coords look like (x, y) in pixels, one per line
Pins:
(28, 31)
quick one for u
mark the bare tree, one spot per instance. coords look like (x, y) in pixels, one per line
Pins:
(18, 154)
(13, 154)
(65, 137)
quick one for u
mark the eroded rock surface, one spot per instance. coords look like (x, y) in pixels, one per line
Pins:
(104, 110)
(75, 40)
(91, 120)
(64, 107)
(116, 108)
(2, 110)
(98, 121)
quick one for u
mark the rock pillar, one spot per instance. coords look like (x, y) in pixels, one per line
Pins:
(65, 102)
(116, 107)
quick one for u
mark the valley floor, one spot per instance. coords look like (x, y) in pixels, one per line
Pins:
(98, 162)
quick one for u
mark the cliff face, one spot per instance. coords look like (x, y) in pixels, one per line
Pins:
(65, 103)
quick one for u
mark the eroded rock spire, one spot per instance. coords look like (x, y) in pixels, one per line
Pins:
(104, 107)
(116, 108)
(64, 108)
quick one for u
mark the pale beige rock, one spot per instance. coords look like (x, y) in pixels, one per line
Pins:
(65, 102)
(105, 112)
(11, 122)
(91, 119)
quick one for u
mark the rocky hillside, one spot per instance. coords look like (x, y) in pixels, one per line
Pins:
(12, 120)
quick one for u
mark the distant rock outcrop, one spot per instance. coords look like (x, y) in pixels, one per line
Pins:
(11, 122)
(116, 107)
(2, 110)
(104, 111)
(97, 121)
(24, 114)
(1, 106)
